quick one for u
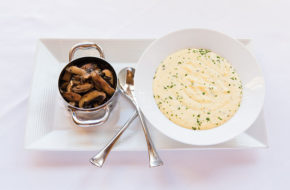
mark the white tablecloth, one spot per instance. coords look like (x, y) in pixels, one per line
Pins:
(23, 22)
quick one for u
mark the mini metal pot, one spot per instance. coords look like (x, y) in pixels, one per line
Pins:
(96, 116)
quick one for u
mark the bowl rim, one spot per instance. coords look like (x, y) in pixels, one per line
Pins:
(262, 97)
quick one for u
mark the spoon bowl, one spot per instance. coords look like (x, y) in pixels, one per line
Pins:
(126, 82)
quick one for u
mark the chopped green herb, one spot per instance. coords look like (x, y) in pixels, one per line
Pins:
(198, 115)
(170, 97)
(179, 63)
(203, 93)
(220, 118)
(198, 122)
(208, 113)
(208, 119)
(203, 51)
(194, 128)
(228, 91)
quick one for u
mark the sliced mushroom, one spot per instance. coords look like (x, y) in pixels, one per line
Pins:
(99, 71)
(69, 86)
(78, 71)
(77, 82)
(98, 101)
(90, 97)
(89, 67)
(108, 74)
(66, 76)
(64, 85)
(77, 79)
(82, 88)
(100, 83)
(72, 97)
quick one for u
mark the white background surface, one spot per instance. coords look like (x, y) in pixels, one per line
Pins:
(22, 22)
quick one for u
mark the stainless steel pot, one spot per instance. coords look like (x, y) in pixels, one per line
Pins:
(92, 116)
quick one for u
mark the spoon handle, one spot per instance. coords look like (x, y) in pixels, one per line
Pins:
(99, 159)
(154, 159)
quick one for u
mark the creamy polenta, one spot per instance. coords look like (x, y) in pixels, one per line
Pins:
(197, 89)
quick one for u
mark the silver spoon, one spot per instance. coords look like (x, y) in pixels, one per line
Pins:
(126, 84)
(126, 81)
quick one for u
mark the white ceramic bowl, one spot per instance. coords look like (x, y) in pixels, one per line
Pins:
(241, 59)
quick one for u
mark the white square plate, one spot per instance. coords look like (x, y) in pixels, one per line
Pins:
(49, 126)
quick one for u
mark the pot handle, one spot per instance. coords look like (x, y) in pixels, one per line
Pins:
(91, 122)
(85, 45)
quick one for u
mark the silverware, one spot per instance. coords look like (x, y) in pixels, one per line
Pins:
(99, 159)
(126, 84)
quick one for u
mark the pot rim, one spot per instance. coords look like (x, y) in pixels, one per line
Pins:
(88, 109)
